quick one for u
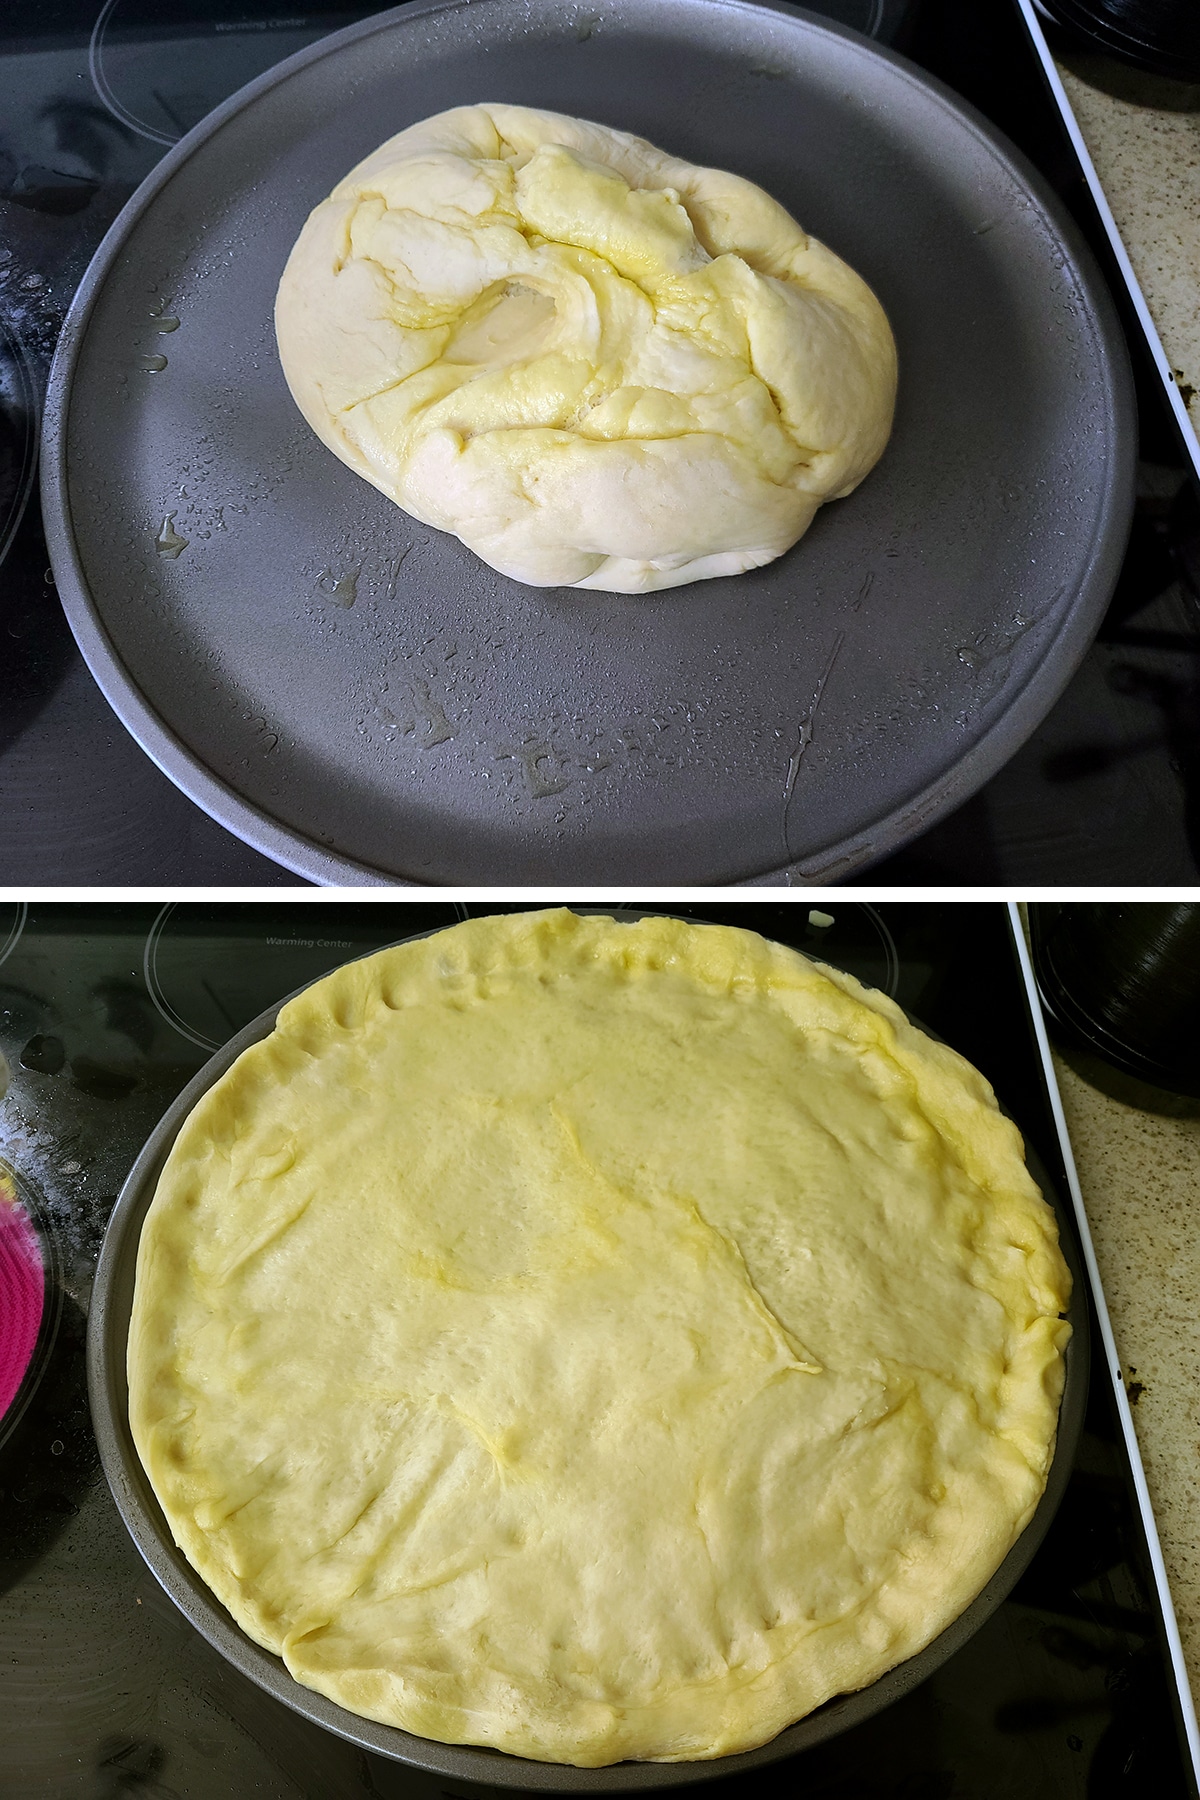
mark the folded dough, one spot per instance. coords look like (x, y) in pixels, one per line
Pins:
(597, 365)
(596, 1340)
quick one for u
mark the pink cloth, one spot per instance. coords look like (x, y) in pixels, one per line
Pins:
(22, 1294)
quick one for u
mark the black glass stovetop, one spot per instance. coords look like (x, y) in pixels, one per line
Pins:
(92, 92)
(106, 1011)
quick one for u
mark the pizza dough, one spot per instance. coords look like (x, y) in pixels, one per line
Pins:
(597, 365)
(596, 1340)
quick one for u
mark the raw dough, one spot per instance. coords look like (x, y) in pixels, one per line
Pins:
(596, 1340)
(597, 365)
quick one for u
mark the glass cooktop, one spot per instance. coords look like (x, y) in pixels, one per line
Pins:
(106, 1011)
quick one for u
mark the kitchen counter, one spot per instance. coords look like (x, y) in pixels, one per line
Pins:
(1143, 135)
(1140, 1176)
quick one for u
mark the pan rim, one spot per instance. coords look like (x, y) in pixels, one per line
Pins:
(107, 1334)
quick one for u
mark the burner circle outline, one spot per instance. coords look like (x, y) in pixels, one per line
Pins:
(155, 988)
(28, 424)
(8, 943)
(101, 83)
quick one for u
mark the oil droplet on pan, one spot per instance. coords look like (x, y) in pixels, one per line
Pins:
(543, 771)
(341, 588)
(168, 542)
(153, 363)
(419, 713)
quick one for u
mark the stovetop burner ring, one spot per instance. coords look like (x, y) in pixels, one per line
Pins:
(104, 88)
(18, 432)
(154, 986)
(10, 933)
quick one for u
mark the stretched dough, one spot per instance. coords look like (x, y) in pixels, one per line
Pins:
(598, 366)
(596, 1340)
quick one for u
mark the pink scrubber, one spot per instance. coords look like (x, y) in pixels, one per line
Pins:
(22, 1294)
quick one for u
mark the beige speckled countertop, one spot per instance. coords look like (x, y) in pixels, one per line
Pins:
(1147, 158)
(1140, 1176)
(1140, 1172)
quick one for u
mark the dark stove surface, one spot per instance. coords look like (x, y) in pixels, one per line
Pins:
(93, 93)
(105, 1012)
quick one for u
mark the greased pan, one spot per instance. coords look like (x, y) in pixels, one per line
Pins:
(108, 1332)
(362, 699)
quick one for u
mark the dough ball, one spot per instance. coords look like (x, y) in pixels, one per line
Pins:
(598, 366)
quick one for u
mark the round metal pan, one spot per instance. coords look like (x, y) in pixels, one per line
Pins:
(108, 1332)
(363, 700)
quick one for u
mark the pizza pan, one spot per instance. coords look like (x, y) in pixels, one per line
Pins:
(108, 1332)
(362, 699)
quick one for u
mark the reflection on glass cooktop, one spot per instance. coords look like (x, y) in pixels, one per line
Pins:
(95, 91)
(106, 1011)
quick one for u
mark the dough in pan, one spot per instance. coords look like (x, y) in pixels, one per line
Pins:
(596, 1340)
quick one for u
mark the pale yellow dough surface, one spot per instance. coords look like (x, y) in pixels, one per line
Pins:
(597, 365)
(596, 1340)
